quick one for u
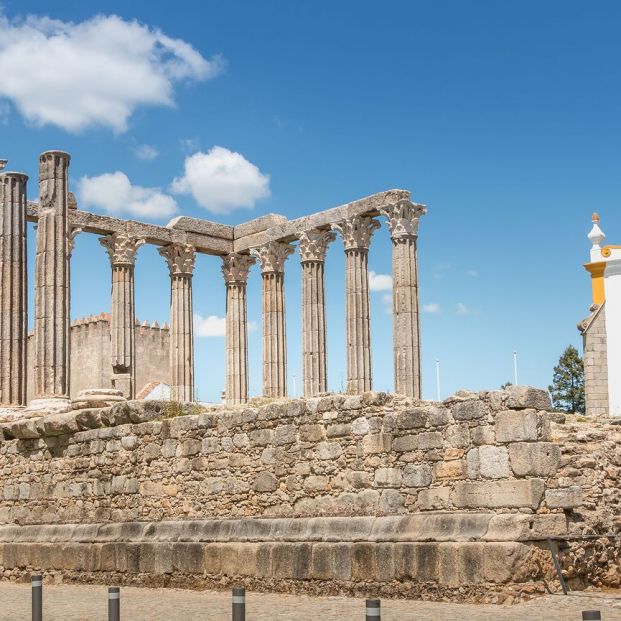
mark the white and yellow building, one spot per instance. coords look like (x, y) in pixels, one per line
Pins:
(601, 331)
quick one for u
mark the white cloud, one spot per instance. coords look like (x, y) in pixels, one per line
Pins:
(431, 308)
(92, 73)
(114, 193)
(146, 152)
(214, 326)
(222, 180)
(379, 282)
(472, 273)
(461, 309)
(387, 302)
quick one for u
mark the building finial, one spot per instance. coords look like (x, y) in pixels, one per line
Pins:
(3, 164)
(596, 235)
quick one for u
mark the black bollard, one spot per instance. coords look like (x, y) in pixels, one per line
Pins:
(373, 610)
(591, 615)
(37, 598)
(114, 604)
(239, 604)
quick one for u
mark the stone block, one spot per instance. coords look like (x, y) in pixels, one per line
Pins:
(523, 397)
(375, 443)
(434, 498)
(416, 561)
(497, 494)
(359, 478)
(437, 416)
(430, 440)
(564, 497)
(404, 444)
(447, 470)
(311, 433)
(331, 561)
(328, 450)
(285, 434)
(388, 477)
(265, 482)
(316, 483)
(261, 437)
(494, 462)
(470, 409)
(534, 459)
(188, 558)
(417, 475)
(411, 419)
(292, 560)
(473, 464)
(458, 435)
(524, 425)
(391, 501)
(363, 561)
(360, 426)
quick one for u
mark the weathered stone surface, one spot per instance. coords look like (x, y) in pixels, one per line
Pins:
(470, 409)
(496, 494)
(494, 462)
(535, 459)
(564, 498)
(523, 397)
(417, 475)
(526, 425)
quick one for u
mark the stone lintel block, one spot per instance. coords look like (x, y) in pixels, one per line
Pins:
(497, 494)
(564, 497)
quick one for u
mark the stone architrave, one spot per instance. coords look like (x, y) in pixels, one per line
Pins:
(52, 282)
(403, 218)
(13, 289)
(180, 258)
(121, 248)
(272, 257)
(356, 233)
(235, 269)
(313, 246)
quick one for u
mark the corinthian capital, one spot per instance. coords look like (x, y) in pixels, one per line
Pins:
(73, 232)
(272, 256)
(235, 267)
(121, 247)
(314, 243)
(403, 217)
(180, 258)
(357, 231)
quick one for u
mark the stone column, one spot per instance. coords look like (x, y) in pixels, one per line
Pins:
(235, 268)
(13, 290)
(356, 233)
(121, 247)
(52, 293)
(403, 218)
(272, 259)
(180, 259)
(313, 246)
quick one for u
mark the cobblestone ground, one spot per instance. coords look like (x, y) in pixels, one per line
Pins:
(89, 603)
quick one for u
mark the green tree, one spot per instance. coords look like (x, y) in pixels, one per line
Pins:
(567, 388)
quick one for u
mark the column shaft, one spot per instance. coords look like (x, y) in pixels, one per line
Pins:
(272, 257)
(314, 353)
(180, 258)
(52, 292)
(358, 321)
(406, 341)
(13, 289)
(235, 268)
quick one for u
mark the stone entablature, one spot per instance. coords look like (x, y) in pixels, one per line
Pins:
(269, 239)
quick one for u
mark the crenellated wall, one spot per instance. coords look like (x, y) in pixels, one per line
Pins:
(91, 355)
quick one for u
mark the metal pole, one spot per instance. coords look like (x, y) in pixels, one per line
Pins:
(239, 604)
(114, 604)
(515, 375)
(37, 598)
(438, 378)
(591, 615)
(373, 610)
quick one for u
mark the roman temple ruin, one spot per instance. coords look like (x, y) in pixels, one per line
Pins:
(483, 496)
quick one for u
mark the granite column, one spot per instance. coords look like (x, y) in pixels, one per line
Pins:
(13, 289)
(180, 258)
(272, 257)
(121, 247)
(356, 233)
(313, 246)
(403, 218)
(235, 268)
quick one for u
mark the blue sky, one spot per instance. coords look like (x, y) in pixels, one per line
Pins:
(504, 118)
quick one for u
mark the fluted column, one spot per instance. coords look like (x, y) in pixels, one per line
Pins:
(52, 286)
(403, 218)
(180, 259)
(356, 233)
(13, 289)
(235, 268)
(272, 259)
(121, 247)
(313, 246)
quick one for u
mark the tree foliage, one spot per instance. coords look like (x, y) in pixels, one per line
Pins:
(567, 387)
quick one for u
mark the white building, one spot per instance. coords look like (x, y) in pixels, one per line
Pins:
(601, 331)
